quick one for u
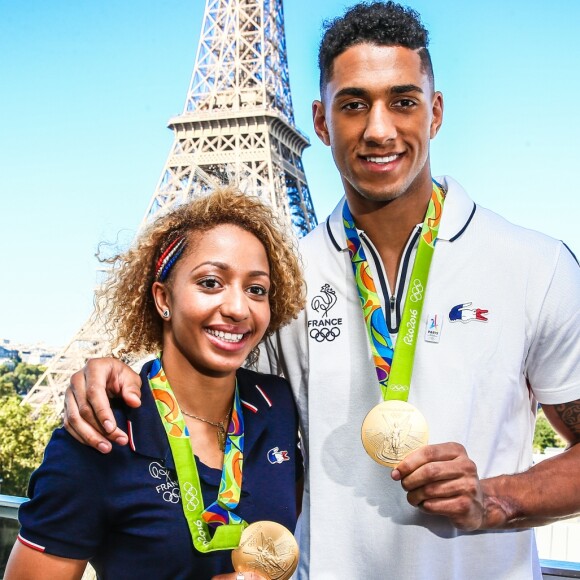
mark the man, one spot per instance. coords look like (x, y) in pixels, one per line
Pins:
(499, 332)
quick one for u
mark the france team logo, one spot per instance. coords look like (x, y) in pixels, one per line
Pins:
(277, 456)
(462, 313)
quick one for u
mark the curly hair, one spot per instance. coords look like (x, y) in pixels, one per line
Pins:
(379, 23)
(125, 302)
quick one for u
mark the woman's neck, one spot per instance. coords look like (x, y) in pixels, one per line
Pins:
(202, 395)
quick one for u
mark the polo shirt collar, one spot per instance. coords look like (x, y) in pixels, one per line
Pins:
(147, 434)
(145, 431)
(457, 214)
(458, 210)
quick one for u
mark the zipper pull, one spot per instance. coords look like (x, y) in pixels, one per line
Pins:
(392, 301)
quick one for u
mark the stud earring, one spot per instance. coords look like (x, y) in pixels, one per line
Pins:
(166, 313)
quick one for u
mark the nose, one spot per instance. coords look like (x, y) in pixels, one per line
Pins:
(235, 304)
(380, 127)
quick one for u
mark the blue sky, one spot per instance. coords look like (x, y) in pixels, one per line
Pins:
(88, 87)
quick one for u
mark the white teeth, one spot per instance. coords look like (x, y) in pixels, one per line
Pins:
(227, 336)
(382, 159)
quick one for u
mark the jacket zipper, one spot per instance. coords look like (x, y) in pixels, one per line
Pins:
(395, 300)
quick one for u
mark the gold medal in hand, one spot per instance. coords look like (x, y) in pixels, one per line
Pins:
(392, 430)
(267, 548)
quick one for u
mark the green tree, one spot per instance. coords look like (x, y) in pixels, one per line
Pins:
(544, 435)
(6, 381)
(24, 434)
(20, 380)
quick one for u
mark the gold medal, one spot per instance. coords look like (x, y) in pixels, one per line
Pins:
(267, 548)
(392, 430)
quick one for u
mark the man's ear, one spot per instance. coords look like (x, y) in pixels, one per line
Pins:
(319, 121)
(162, 299)
(437, 113)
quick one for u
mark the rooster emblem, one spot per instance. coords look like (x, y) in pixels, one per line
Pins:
(323, 303)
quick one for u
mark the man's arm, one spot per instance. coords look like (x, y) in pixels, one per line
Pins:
(441, 479)
(549, 490)
(87, 410)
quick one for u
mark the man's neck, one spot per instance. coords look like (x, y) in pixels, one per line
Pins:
(389, 226)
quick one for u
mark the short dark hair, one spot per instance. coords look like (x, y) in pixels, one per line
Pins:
(379, 23)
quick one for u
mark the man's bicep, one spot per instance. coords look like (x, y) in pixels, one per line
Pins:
(565, 418)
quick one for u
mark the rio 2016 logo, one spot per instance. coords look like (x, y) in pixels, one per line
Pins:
(411, 325)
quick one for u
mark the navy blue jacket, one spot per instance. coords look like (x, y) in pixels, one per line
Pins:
(122, 510)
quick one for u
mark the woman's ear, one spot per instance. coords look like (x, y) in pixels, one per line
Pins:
(162, 299)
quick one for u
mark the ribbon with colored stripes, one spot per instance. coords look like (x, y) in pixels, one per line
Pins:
(394, 367)
(228, 526)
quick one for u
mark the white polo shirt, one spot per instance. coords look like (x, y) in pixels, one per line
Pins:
(502, 311)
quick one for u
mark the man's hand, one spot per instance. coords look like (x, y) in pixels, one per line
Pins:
(441, 479)
(87, 410)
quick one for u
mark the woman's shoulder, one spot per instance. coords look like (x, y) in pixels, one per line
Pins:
(267, 378)
(66, 453)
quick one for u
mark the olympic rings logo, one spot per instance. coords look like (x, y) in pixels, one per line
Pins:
(171, 496)
(416, 291)
(398, 388)
(325, 333)
(191, 499)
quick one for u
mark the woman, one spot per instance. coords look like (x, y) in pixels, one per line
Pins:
(204, 283)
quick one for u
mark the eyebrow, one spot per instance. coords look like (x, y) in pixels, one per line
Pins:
(400, 89)
(224, 266)
(358, 92)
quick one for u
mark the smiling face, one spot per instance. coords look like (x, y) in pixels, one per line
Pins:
(217, 297)
(378, 114)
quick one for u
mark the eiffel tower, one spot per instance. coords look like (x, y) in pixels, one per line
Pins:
(237, 125)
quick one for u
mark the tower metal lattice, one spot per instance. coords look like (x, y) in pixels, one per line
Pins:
(237, 125)
(238, 122)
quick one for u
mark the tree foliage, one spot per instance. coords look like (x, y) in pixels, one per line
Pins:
(544, 435)
(24, 434)
(20, 380)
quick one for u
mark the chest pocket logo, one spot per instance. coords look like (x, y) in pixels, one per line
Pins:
(462, 313)
(169, 490)
(323, 302)
(277, 456)
(324, 329)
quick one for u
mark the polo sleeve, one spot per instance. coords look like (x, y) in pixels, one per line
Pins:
(66, 514)
(553, 362)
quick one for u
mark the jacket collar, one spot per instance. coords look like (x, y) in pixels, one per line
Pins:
(457, 214)
(147, 434)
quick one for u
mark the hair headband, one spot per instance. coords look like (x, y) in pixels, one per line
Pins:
(168, 258)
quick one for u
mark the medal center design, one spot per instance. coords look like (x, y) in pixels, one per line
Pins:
(267, 548)
(392, 430)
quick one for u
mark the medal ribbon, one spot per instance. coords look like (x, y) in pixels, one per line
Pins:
(394, 367)
(228, 526)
